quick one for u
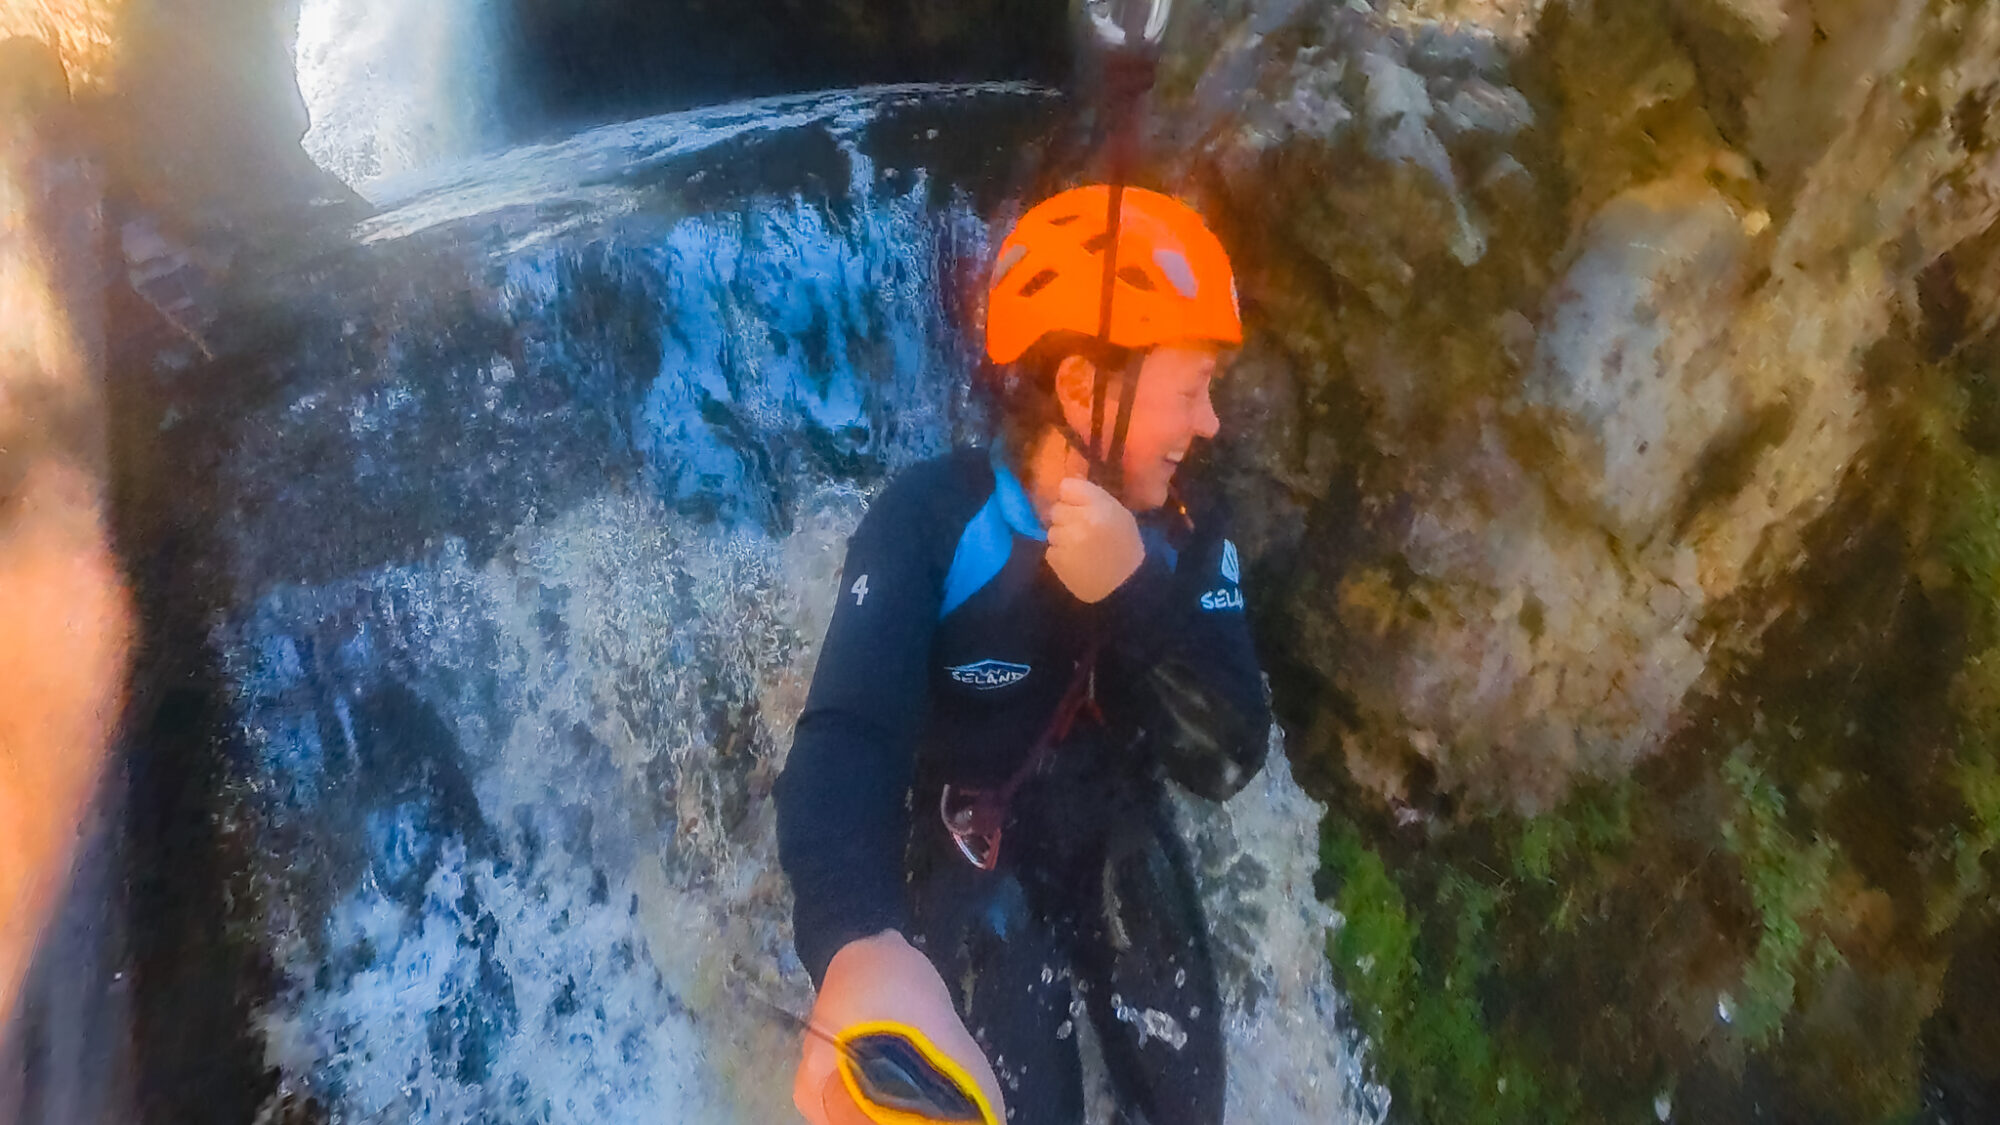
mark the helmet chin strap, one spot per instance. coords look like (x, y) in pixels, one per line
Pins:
(1130, 60)
(1130, 64)
(1107, 465)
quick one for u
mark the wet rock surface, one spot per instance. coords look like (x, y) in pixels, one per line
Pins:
(1614, 380)
(1591, 344)
(609, 60)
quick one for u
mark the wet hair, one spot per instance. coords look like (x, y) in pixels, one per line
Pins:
(1025, 390)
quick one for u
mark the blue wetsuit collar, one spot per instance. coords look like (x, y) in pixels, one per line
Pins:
(1015, 506)
(1019, 512)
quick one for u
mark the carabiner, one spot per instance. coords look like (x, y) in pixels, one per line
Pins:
(1129, 25)
(973, 825)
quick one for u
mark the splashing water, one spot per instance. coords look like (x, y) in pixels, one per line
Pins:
(509, 789)
(1295, 1054)
(1151, 1022)
(573, 852)
(390, 89)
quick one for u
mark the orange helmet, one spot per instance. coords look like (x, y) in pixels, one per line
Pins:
(1174, 281)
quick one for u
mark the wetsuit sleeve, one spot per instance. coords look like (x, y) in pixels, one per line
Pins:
(842, 801)
(1182, 642)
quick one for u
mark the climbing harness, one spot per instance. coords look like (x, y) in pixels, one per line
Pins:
(975, 817)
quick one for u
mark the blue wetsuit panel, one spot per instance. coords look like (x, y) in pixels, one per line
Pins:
(982, 551)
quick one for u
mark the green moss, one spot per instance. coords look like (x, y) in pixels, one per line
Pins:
(1417, 988)
(1595, 820)
(1789, 881)
(1547, 968)
(1966, 486)
(1375, 947)
(1978, 780)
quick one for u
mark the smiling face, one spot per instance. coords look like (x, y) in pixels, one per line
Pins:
(1172, 409)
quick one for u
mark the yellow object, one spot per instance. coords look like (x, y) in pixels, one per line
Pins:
(947, 1093)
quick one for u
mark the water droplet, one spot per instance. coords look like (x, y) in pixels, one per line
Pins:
(1725, 1008)
(1064, 1029)
(1180, 977)
(1663, 1106)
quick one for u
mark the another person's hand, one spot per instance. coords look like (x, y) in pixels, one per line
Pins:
(880, 978)
(1094, 543)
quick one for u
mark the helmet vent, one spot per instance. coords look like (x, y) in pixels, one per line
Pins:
(1007, 262)
(1175, 265)
(1099, 242)
(1039, 282)
(1136, 278)
(1064, 220)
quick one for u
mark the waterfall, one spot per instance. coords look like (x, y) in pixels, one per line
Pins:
(393, 88)
(526, 542)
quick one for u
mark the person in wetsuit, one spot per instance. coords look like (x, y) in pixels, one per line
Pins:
(1011, 636)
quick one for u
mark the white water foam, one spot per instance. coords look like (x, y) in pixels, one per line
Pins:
(593, 167)
(391, 88)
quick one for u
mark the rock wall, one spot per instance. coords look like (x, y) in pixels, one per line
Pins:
(568, 62)
(1565, 312)
(1619, 423)
(192, 105)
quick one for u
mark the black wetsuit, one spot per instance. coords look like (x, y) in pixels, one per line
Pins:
(949, 651)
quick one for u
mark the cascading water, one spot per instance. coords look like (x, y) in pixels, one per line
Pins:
(393, 88)
(522, 547)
